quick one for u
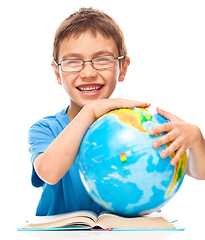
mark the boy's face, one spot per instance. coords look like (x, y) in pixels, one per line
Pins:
(89, 84)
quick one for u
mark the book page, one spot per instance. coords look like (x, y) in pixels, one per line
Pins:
(151, 221)
(87, 218)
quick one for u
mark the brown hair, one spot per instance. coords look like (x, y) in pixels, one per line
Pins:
(89, 19)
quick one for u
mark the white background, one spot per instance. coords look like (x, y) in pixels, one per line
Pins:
(166, 44)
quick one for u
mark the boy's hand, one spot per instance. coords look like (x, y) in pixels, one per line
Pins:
(182, 135)
(102, 106)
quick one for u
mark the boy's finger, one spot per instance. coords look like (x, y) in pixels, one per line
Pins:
(166, 127)
(143, 105)
(165, 139)
(176, 158)
(171, 149)
(131, 104)
(169, 116)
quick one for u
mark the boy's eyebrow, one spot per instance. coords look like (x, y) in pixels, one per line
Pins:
(68, 55)
(77, 55)
(104, 52)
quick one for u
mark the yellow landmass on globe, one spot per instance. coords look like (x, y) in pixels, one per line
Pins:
(105, 204)
(133, 118)
(179, 171)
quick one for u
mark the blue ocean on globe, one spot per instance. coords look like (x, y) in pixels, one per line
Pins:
(121, 170)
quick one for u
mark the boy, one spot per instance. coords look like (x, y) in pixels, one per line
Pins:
(90, 57)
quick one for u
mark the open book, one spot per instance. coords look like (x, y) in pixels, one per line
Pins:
(88, 220)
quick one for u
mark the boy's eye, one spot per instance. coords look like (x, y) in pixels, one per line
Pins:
(73, 62)
(72, 65)
(103, 60)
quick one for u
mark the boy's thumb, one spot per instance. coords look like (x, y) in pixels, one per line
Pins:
(169, 116)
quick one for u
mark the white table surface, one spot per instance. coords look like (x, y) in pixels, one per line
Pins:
(106, 235)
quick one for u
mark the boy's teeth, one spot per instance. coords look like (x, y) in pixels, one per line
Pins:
(89, 88)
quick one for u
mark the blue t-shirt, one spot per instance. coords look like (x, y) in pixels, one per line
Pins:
(68, 194)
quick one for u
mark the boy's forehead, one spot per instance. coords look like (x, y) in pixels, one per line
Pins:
(87, 45)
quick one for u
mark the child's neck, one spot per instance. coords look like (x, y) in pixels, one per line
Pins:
(73, 110)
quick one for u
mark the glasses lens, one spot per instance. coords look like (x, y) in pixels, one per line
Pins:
(103, 62)
(72, 65)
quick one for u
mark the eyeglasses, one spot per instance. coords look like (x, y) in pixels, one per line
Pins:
(98, 63)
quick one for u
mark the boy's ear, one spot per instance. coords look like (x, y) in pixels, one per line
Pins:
(124, 70)
(57, 72)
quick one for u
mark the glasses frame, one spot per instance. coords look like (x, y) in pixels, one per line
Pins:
(83, 63)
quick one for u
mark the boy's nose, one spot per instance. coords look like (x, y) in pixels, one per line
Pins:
(88, 71)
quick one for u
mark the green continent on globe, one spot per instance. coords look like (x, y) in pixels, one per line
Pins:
(133, 118)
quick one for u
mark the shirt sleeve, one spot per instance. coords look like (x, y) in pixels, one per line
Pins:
(40, 136)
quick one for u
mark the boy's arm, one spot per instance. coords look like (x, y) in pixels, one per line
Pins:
(53, 164)
(196, 163)
(184, 137)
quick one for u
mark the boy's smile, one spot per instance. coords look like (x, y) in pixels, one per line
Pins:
(90, 89)
(88, 84)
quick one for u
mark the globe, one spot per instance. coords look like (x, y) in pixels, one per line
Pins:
(121, 170)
